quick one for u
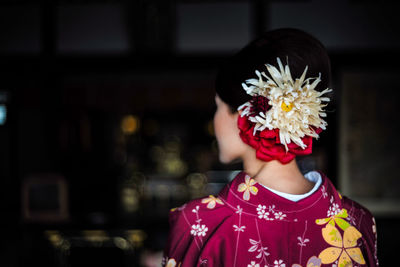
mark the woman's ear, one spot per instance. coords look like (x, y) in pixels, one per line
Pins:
(235, 115)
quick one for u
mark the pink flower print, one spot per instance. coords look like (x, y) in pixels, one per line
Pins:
(212, 201)
(248, 187)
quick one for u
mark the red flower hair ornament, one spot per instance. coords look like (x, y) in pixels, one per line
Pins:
(283, 116)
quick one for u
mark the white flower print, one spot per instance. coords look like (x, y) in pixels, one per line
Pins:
(374, 226)
(199, 230)
(279, 263)
(279, 215)
(376, 240)
(202, 231)
(333, 209)
(257, 246)
(253, 264)
(239, 229)
(239, 210)
(262, 250)
(324, 193)
(195, 228)
(271, 208)
(203, 262)
(262, 213)
(196, 210)
(302, 242)
(351, 219)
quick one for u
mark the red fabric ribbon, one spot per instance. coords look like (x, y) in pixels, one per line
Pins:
(267, 143)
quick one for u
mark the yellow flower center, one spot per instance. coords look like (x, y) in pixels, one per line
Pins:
(286, 107)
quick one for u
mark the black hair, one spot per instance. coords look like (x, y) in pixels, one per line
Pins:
(295, 47)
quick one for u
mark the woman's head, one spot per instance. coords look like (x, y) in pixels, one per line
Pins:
(298, 47)
(295, 48)
(226, 131)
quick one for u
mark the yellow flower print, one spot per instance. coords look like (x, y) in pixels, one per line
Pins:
(172, 263)
(335, 219)
(248, 187)
(343, 248)
(212, 201)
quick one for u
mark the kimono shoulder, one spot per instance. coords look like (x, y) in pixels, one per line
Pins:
(362, 219)
(191, 227)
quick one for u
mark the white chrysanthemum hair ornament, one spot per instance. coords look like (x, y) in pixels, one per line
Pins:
(283, 115)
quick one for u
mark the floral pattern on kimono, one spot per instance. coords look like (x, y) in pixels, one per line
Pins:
(249, 225)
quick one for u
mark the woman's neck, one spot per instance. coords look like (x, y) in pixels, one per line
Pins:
(285, 178)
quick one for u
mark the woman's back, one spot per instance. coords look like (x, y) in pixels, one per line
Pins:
(248, 225)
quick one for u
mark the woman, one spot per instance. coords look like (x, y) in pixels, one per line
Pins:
(270, 105)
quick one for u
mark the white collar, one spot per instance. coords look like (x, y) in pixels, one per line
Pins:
(312, 176)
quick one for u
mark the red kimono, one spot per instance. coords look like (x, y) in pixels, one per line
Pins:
(247, 225)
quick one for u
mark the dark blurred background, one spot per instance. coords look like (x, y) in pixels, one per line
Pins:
(106, 118)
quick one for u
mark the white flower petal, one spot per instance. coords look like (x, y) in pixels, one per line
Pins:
(306, 108)
(275, 75)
